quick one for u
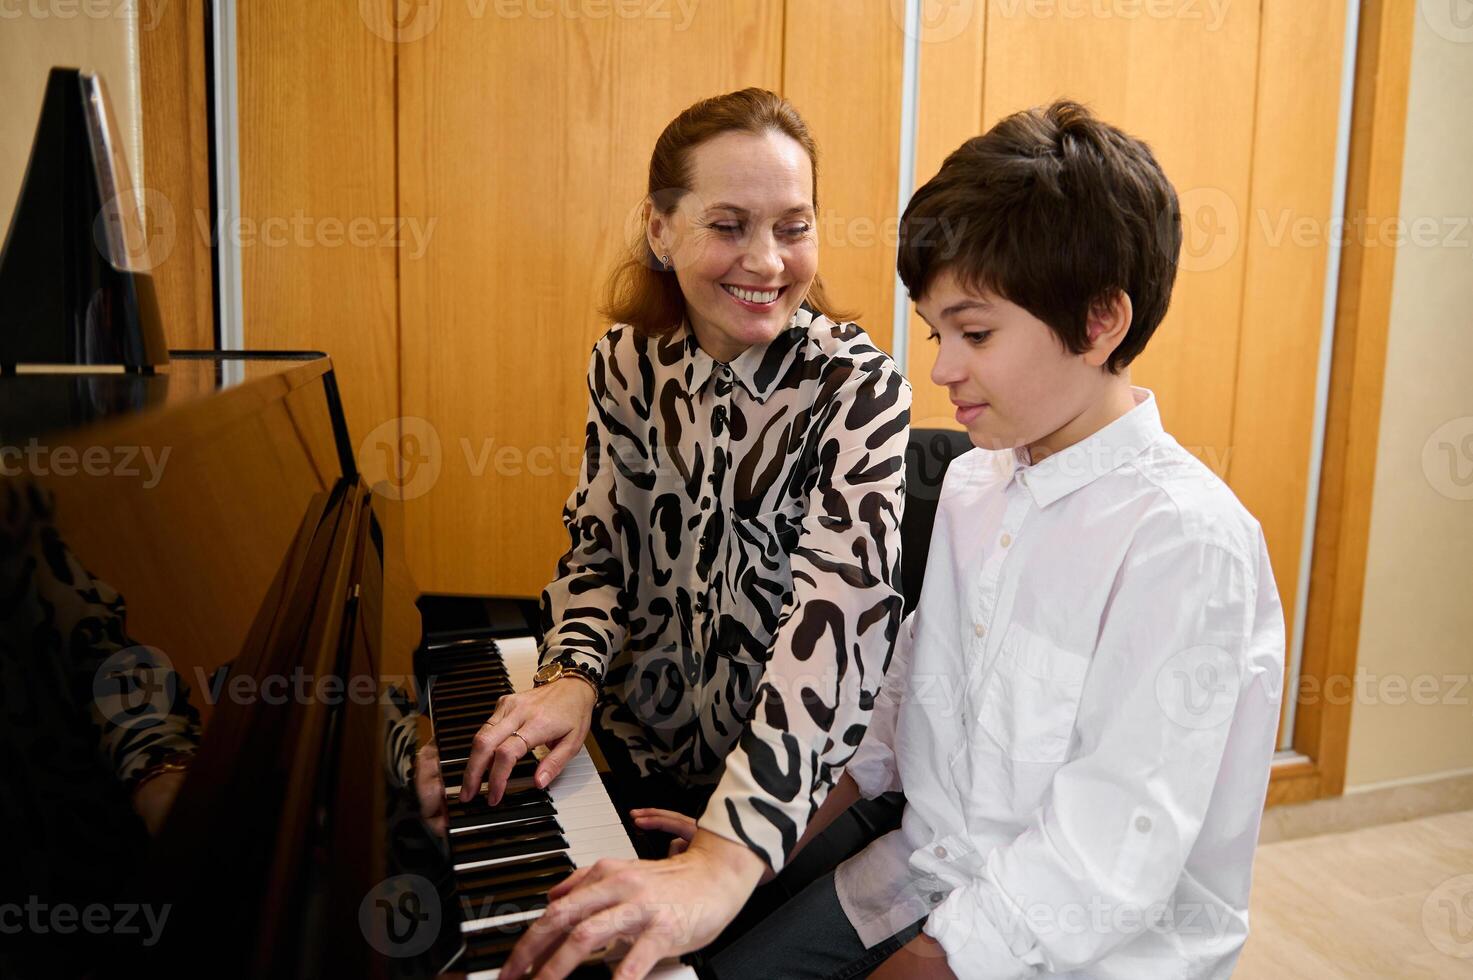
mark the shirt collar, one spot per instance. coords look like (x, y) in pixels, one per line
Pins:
(757, 370)
(1081, 464)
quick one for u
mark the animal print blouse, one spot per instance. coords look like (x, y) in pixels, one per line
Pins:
(734, 569)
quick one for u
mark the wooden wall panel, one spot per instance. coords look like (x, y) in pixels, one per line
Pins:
(1287, 249)
(176, 169)
(318, 210)
(842, 68)
(527, 140)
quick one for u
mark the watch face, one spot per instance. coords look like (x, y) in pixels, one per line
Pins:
(549, 672)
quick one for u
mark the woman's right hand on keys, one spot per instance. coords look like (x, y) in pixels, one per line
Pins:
(557, 715)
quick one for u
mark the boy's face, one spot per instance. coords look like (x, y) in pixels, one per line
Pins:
(1012, 381)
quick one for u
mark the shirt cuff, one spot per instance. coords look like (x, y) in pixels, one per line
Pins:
(975, 949)
(594, 664)
(742, 811)
(873, 768)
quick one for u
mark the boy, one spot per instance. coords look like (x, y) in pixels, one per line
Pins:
(1083, 708)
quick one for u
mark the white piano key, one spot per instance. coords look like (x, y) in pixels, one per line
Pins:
(590, 823)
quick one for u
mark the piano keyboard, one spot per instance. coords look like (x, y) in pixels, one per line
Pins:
(507, 857)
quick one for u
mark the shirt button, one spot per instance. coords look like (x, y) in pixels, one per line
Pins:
(1007, 539)
(1143, 824)
(936, 897)
(979, 629)
(940, 852)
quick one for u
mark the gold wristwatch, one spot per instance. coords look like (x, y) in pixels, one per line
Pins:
(558, 669)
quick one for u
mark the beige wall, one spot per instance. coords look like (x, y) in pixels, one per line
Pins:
(1417, 622)
(36, 36)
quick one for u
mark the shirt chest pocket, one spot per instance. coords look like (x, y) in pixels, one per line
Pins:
(1031, 698)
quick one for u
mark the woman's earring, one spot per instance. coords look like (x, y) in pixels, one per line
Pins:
(665, 261)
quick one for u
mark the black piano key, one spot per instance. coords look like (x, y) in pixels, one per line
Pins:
(491, 949)
(480, 703)
(557, 866)
(486, 906)
(475, 709)
(452, 773)
(488, 816)
(460, 716)
(470, 673)
(453, 673)
(506, 846)
(438, 650)
(458, 724)
(469, 678)
(467, 688)
(507, 898)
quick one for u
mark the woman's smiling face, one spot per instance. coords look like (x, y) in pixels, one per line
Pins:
(742, 239)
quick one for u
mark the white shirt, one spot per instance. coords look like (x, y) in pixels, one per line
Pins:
(1081, 712)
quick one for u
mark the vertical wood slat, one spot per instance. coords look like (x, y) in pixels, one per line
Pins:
(319, 217)
(952, 48)
(842, 68)
(176, 161)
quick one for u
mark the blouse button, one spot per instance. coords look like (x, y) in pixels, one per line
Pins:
(940, 852)
(1007, 539)
(979, 629)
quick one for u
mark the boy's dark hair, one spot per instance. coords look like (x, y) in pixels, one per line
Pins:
(1055, 211)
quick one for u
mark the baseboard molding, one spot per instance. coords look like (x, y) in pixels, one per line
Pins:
(1368, 806)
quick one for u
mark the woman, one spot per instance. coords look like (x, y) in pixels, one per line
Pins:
(730, 598)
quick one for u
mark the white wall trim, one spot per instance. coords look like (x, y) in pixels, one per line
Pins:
(909, 110)
(1322, 377)
(227, 176)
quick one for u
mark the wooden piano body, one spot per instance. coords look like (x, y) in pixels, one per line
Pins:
(220, 497)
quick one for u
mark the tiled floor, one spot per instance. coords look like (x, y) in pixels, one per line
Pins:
(1392, 901)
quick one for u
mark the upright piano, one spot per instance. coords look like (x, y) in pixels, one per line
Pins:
(206, 511)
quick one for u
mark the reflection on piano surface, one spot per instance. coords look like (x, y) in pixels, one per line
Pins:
(266, 577)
